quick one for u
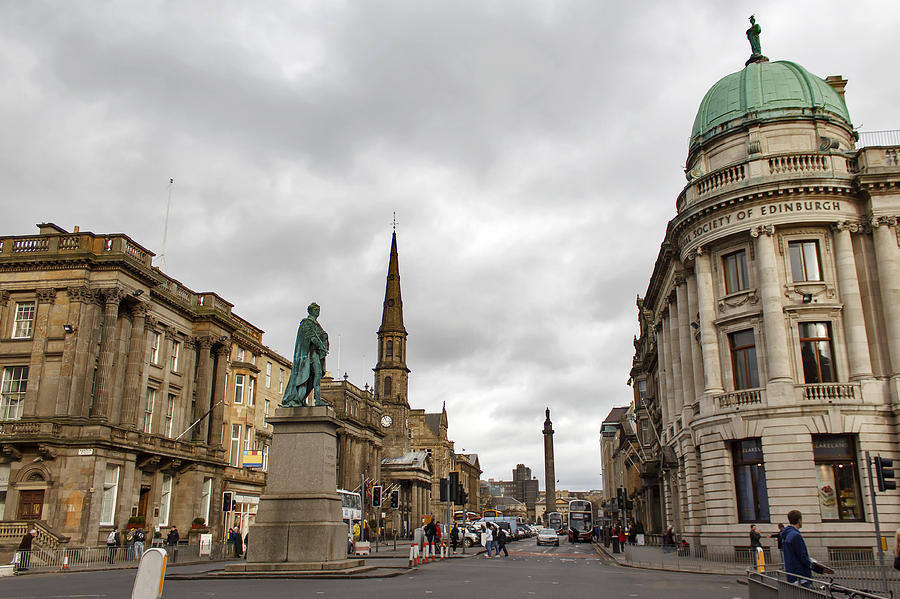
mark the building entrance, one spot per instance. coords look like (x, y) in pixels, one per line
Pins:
(31, 505)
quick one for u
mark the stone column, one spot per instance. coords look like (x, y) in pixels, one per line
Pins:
(778, 361)
(667, 362)
(71, 373)
(4, 300)
(105, 384)
(204, 389)
(884, 233)
(709, 340)
(685, 345)
(45, 300)
(659, 329)
(853, 318)
(135, 363)
(675, 359)
(87, 354)
(696, 355)
(218, 407)
(187, 391)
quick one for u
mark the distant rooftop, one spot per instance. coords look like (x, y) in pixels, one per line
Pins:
(889, 137)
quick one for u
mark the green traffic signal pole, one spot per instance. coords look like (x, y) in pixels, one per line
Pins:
(877, 524)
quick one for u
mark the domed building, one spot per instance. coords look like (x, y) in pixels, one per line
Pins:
(768, 361)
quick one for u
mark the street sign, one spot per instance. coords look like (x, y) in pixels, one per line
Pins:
(206, 544)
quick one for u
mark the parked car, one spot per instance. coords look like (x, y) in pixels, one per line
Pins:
(472, 535)
(547, 536)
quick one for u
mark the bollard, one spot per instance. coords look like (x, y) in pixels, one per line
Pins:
(413, 556)
(760, 560)
(65, 564)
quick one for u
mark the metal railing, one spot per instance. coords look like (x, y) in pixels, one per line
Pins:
(89, 558)
(774, 584)
(890, 137)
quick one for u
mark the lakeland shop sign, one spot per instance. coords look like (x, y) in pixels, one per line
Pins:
(761, 212)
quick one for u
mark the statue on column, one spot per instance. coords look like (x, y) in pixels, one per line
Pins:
(310, 350)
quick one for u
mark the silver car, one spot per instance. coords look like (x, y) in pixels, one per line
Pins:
(547, 536)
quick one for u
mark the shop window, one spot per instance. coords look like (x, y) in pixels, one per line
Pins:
(816, 352)
(734, 265)
(23, 325)
(750, 481)
(805, 263)
(837, 477)
(12, 392)
(743, 359)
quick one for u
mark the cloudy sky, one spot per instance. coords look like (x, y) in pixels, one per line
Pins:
(532, 151)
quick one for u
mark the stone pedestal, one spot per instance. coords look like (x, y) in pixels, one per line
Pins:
(298, 524)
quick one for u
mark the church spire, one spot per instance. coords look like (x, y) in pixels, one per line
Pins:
(392, 315)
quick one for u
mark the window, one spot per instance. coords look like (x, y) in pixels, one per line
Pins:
(4, 485)
(148, 411)
(248, 438)
(239, 354)
(390, 349)
(235, 455)
(837, 478)
(239, 388)
(165, 500)
(110, 493)
(155, 338)
(170, 413)
(205, 498)
(266, 409)
(815, 351)
(265, 466)
(268, 375)
(734, 265)
(805, 265)
(387, 386)
(23, 326)
(176, 352)
(281, 381)
(12, 392)
(743, 360)
(251, 390)
(642, 391)
(750, 481)
(645, 432)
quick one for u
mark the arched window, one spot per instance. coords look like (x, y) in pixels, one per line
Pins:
(387, 386)
(390, 349)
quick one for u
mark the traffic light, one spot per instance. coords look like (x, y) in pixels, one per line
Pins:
(445, 490)
(620, 498)
(228, 501)
(376, 496)
(884, 473)
(461, 497)
(395, 498)
(454, 488)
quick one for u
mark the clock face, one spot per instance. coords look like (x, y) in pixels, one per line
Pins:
(386, 421)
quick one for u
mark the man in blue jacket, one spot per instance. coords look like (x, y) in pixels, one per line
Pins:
(796, 558)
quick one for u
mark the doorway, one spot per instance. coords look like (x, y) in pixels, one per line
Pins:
(143, 502)
(31, 505)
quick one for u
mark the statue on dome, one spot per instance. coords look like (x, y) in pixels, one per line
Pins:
(755, 48)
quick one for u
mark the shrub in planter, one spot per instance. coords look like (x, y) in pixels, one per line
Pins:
(198, 523)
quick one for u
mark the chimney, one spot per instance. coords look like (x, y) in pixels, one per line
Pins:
(838, 83)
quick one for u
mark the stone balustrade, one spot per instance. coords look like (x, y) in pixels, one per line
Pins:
(798, 163)
(829, 391)
(721, 178)
(12, 531)
(62, 243)
(743, 397)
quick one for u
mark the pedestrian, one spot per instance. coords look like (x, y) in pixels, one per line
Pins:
(622, 538)
(615, 539)
(356, 531)
(173, 536)
(501, 542)
(669, 539)
(754, 538)
(365, 530)
(113, 540)
(430, 533)
(777, 537)
(25, 549)
(236, 543)
(454, 537)
(796, 558)
(246, 541)
(897, 550)
(488, 540)
(139, 538)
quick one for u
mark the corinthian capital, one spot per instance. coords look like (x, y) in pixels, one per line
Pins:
(46, 296)
(4, 298)
(113, 295)
(762, 230)
(140, 309)
(82, 294)
(884, 221)
(847, 225)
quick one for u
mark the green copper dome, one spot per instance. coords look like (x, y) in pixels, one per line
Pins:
(765, 90)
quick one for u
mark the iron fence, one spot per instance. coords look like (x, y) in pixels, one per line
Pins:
(85, 558)
(775, 585)
(890, 137)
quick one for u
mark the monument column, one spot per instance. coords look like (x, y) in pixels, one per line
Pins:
(111, 299)
(848, 285)
(549, 466)
(135, 362)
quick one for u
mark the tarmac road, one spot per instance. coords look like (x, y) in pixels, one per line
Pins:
(567, 571)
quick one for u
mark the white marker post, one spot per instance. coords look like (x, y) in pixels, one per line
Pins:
(148, 583)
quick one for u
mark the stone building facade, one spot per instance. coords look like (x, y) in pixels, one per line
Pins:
(768, 361)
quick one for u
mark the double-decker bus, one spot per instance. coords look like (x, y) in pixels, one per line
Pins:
(351, 507)
(491, 514)
(461, 517)
(554, 521)
(581, 520)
